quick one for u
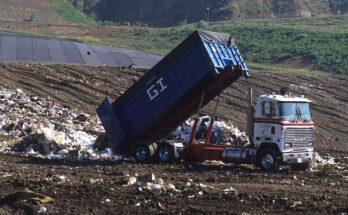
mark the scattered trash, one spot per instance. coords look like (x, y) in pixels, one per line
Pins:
(295, 203)
(171, 187)
(319, 161)
(161, 206)
(221, 132)
(230, 190)
(42, 210)
(201, 185)
(26, 195)
(63, 178)
(285, 181)
(94, 181)
(153, 186)
(131, 181)
(160, 181)
(148, 182)
(41, 127)
(7, 175)
(63, 152)
(147, 178)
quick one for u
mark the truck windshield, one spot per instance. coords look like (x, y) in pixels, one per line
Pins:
(294, 110)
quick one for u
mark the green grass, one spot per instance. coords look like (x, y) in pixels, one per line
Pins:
(336, 23)
(326, 50)
(285, 69)
(70, 13)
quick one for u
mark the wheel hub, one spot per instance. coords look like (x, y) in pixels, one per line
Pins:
(141, 153)
(267, 161)
(164, 154)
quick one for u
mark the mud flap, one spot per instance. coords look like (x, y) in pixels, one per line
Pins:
(111, 124)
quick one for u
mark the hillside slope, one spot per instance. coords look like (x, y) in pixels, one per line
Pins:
(17, 13)
(173, 12)
(28, 11)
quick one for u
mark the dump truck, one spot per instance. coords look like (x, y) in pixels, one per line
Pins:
(183, 82)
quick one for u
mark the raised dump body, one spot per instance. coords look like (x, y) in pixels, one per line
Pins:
(205, 62)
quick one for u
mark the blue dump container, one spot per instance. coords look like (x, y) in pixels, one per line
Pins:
(205, 62)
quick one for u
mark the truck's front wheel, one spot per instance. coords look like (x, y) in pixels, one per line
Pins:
(144, 152)
(267, 159)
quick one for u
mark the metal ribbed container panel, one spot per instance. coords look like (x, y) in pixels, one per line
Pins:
(159, 100)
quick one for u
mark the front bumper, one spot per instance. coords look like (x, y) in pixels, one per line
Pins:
(298, 157)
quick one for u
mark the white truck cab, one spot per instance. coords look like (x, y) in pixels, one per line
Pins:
(283, 130)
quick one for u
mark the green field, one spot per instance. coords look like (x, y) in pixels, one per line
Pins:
(69, 12)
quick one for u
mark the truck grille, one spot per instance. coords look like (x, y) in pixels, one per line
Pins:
(299, 137)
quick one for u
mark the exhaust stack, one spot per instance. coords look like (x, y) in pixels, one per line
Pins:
(250, 117)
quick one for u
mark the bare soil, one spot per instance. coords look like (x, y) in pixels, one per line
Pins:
(285, 191)
(324, 191)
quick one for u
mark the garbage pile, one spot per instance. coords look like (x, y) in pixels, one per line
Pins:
(41, 127)
(328, 160)
(221, 132)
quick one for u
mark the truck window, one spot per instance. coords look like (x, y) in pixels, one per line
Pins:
(268, 109)
(294, 110)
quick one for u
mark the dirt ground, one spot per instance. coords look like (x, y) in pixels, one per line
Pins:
(99, 188)
(96, 187)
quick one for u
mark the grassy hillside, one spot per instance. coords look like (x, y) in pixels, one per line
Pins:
(174, 12)
(70, 12)
(16, 12)
(302, 42)
(27, 12)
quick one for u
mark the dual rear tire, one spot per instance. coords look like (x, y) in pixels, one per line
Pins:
(165, 153)
(145, 153)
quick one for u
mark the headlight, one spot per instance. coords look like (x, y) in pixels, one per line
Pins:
(287, 145)
(309, 144)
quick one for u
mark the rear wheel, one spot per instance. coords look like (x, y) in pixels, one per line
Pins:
(144, 152)
(165, 153)
(267, 159)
